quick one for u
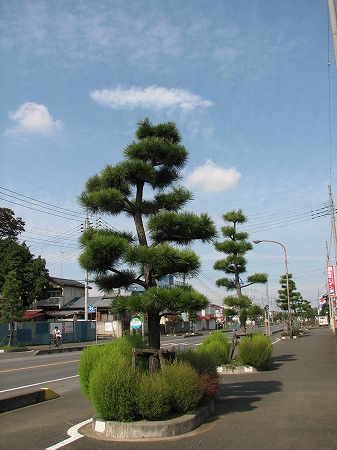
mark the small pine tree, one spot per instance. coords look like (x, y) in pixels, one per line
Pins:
(235, 247)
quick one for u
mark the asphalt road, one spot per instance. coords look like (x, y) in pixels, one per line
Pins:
(292, 406)
(24, 372)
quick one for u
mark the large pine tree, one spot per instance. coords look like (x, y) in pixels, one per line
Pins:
(152, 165)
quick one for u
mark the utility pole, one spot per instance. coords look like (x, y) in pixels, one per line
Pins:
(268, 311)
(86, 288)
(330, 298)
(333, 222)
(333, 24)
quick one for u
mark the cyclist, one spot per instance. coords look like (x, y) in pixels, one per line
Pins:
(57, 335)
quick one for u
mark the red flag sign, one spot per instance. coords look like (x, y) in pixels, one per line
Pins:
(331, 280)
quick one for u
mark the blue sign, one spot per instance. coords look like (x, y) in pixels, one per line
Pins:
(136, 323)
(91, 308)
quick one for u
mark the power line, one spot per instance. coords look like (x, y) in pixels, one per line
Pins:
(38, 205)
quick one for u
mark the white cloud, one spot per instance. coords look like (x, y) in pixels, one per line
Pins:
(33, 118)
(151, 97)
(213, 178)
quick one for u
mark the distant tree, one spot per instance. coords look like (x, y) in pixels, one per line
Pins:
(10, 227)
(23, 278)
(304, 309)
(120, 259)
(325, 310)
(255, 311)
(294, 296)
(12, 309)
(31, 272)
(235, 247)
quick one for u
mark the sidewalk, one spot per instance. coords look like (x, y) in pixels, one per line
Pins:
(293, 406)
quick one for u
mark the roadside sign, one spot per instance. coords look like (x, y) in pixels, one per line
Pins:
(91, 308)
(136, 323)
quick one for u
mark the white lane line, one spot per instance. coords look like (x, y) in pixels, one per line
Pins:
(37, 384)
(277, 340)
(73, 433)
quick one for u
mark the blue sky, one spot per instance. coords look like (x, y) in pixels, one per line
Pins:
(248, 84)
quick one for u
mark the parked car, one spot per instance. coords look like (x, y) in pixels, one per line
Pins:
(323, 321)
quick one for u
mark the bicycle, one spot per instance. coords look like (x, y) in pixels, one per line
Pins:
(55, 343)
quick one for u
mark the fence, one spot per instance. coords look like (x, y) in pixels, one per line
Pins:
(37, 333)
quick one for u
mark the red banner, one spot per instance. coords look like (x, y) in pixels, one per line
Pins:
(331, 280)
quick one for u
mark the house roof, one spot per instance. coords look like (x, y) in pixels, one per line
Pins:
(61, 313)
(66, 282)
(98, 302)
(33, 313)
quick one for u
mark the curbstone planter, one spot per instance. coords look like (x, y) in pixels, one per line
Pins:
(236, 369)
(293, 337)
(144, 429)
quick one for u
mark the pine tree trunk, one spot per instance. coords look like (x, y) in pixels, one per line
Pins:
(154, 329)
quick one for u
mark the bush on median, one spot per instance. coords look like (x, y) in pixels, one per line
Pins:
(255, 351)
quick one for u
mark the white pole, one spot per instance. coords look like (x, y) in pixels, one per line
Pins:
(333, 24)
(268, 311)
(86, 289)
(96, 323)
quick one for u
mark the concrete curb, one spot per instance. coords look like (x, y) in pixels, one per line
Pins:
(20, 401)
(14, 350)
(144, 430)
(59, 350)
(236, 369)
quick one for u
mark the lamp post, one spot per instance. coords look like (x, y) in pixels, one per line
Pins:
(290, 330)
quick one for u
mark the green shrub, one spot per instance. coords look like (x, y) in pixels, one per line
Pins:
(88, 361)
(184, 385)
(206, 367)
(209, 385)
(218, 346)
(153, 397)
(255, 351)
(201, 361)
(113, 387)
(116, 349)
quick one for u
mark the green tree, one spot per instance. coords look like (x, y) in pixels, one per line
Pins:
(152, 164)
(255, 311)
(23, 278)
(12, 309)
(303, 308)
(235, 246)
(10, 227)
(325, 310)
(31, 271)
(294, 296)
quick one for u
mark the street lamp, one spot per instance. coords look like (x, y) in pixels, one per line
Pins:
(290, 331)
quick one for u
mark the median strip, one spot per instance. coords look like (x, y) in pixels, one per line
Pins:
(20, 401)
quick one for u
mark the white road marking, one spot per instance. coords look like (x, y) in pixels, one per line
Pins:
(73, 433)
(37, 384)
